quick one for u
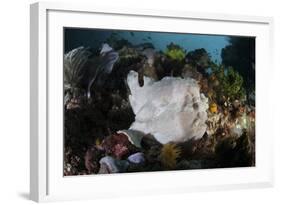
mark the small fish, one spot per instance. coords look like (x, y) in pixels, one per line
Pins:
(149, 37)
(132, 33)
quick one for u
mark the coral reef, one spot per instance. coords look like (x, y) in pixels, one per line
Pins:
(132, 108)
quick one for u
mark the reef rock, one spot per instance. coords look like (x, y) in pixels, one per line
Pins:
(110, 165)
(172, 109)
(116, 145)
(137, 158)
(149, 53)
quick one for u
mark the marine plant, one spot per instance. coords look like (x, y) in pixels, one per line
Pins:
(240, 54)
(175, 52)
(199, 58)
(230, 82)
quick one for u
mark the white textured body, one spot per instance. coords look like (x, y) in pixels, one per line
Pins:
(171, 109)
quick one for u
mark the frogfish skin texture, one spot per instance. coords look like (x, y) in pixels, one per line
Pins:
(172, 109)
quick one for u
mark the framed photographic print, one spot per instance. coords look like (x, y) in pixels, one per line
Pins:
(127, 102)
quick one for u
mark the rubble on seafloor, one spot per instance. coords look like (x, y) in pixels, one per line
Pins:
(135, 109)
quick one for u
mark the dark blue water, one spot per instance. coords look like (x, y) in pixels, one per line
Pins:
(94, 38)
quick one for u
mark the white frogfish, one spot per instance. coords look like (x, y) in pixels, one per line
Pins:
(172, 109)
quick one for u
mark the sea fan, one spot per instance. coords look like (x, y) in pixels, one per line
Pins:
(169, 155)
(74, 63)
(82, 70)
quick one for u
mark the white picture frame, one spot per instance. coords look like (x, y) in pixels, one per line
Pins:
(46, 178)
